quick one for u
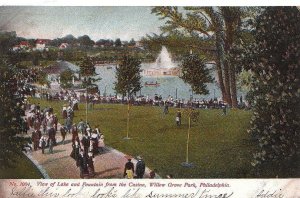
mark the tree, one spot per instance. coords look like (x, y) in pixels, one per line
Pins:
(11, 96)
(86, 66)
(132, 42)
(196, 74)
(87, 70)
(128, 76)
(118, 42)
(85, 41)
(66, 78)
(70, 39)
(35, 58)
(223, 22)
(274, 61)
(7, 40)
(42, 79)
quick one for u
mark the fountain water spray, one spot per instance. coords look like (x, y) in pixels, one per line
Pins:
(164, 60)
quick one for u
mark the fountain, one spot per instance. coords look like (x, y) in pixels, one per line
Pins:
(163, 65)
(164, 59)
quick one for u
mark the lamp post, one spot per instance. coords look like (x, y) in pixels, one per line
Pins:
(128, 118)
(86, 104)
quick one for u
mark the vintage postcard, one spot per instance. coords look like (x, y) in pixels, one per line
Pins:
(149, 101)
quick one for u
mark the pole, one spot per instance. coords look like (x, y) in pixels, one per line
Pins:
(128, 108)
(187, 142)
(86, 105)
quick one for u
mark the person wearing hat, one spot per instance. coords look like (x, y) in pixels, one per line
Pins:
(86, 143)
(140, 168)
(82, 163)
(74, 132)
(68, 124)
(64, 113)
(81, 126)
(63, 134)
(178, 118)
(129, 169)
(91, 167)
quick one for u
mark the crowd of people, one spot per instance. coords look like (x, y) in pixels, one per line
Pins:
(80, 96)
(86, 142)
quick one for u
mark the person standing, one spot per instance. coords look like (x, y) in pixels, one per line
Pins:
(63, 134)
(224, 110)
(74, 132)
(81, 127)
(166, 108)
(68, 124)
(51, 146)
(35, 139)
(101, 144)
(91, 167)
(82, 163)
(43, 144)
(55, 121)
(86, 143)
(129, 169)
(64, 113)
(178, 118)
(140, 168)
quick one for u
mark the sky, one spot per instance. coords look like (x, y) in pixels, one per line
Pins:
(97, 22)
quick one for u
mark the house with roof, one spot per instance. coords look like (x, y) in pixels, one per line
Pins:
(64, 46)
(41, 44)
(53, 71)
(23, 45)
(16, 48)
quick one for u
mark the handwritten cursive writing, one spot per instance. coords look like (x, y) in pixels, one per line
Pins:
(199, 194)
(270, 194)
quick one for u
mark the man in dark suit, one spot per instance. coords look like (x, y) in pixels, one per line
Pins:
(140, 168)
(128, 166)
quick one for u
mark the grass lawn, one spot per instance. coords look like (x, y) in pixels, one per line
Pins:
(23, 169)
(220, 146)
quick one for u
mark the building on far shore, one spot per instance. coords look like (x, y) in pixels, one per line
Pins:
(41, 44)
(53, 71)
(176, 71)
(64, 46)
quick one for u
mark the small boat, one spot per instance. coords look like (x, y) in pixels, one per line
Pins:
(109, 67)
(152, 84)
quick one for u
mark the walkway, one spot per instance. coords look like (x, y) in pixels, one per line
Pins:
(60, 165)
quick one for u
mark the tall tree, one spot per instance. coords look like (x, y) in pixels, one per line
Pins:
(88, 71)
(86, 66)
(274, 62)
(118, 42)
(11, 96)
(128, 76)
(223, 22)
(85, 40)
(132, 42)
(196, 74)
(66, 78)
